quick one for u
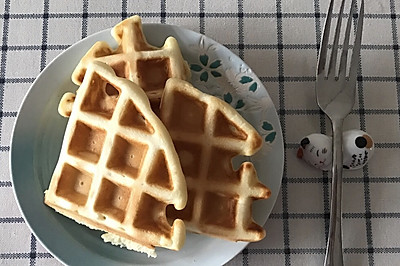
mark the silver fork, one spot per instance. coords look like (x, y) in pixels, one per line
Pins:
(335, 96)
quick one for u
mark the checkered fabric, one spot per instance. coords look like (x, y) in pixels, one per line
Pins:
(279, 40)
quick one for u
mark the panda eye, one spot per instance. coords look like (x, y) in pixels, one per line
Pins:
(317, 153)
(324, 150)
(361, 142)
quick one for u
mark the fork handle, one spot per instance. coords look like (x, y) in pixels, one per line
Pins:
(334, 253)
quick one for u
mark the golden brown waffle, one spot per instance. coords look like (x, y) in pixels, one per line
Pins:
(66, 104)
(207, 134)
(135, 59)
(118, 169)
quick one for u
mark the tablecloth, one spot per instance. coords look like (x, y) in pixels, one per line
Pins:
(279, 40)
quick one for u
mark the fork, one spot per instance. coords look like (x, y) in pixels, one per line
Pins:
(335, 96)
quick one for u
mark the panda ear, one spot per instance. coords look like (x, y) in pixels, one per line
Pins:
(300, 153)
(370, 142)
(361, 142)
(304, 142)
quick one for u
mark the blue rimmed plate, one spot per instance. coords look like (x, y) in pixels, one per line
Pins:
(39, 130)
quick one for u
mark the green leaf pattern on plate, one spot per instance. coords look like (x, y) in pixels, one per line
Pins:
(228, 98)
(239, 104)
(204, 59)
(204, 76)
(267, 126)
(195, 67)
(237, 87)
(246, 79)
(204, 68)
(215, 74)
(270, 137)
(269, 133)
(253, 87)
(215, 64)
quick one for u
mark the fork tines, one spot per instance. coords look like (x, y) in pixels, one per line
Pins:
(332, 63)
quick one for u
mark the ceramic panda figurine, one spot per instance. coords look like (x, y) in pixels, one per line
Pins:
(316, 149)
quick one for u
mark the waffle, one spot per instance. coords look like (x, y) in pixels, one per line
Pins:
(207, 134)
(66, 104)
(135, 59)
(118, 169)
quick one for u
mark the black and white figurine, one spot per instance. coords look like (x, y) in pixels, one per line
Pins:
(316, 149)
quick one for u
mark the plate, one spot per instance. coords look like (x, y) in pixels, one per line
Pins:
(39, 130)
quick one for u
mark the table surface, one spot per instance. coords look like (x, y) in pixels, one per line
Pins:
(279, 41)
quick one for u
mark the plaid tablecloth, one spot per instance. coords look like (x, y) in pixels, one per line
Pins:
(279, 40)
